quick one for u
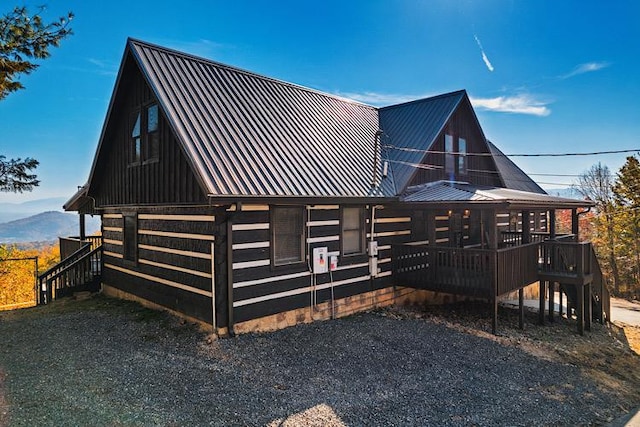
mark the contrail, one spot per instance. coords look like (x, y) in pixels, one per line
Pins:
(484, 55)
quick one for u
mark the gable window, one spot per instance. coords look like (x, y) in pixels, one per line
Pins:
(352, 231)
(145, 135)
(462, 156)
(455, 156)
(136, 145)
(130, 237)
(449, 157)
(287, 235)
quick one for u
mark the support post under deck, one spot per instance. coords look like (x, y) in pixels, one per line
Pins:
(521, 308)
(541, 305)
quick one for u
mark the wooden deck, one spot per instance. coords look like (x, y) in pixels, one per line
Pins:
(490, 273)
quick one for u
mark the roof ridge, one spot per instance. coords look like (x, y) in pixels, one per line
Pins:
(232, 68)
(430, 98)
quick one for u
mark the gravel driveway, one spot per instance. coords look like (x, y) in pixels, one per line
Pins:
(108, 362)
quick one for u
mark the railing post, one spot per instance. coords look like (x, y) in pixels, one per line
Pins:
(494, 277)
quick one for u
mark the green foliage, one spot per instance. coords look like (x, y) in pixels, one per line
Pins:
(24, 37)
(616, 233)
(15, 176)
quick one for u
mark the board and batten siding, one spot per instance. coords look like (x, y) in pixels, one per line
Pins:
(174, 258)
(261, 289)
(167, 180)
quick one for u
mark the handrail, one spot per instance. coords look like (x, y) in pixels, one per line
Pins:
(67, 260)
(75, 272)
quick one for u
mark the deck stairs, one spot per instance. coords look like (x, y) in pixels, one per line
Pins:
(80, 271)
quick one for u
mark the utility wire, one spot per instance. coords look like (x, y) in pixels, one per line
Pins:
(594, 153)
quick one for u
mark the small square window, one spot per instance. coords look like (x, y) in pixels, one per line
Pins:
(287, 235)
(352, 231)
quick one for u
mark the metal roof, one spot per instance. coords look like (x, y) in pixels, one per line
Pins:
(512, 176)
(415, 125)
(249, 135)
(461, 192)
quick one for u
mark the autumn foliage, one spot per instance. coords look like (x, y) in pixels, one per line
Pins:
(18, 273)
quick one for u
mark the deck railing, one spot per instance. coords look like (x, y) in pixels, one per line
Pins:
(80, 271)
(566, 262)
(514, 238)
(68, 245)
(517, 267)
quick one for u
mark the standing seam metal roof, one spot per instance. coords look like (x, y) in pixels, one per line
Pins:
(250, 135)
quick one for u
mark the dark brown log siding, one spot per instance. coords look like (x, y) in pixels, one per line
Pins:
(169, 180)
(260, 289)
(173, 267)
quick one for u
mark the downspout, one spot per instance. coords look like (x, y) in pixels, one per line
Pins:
(230, 269)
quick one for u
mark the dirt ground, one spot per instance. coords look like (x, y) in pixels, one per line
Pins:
(609, 354)
(124, 365)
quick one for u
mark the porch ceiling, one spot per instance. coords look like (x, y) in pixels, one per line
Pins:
(450, 192)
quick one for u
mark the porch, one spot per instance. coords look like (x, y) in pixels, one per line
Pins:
(556, 262)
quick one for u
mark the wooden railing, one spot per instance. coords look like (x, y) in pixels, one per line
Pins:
(80, 271)
(472, 272)
(517, 267)
(514, 238)
(68, 245)
(566, 262)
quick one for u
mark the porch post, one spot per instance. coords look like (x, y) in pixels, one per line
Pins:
(552, 291)
(574, 222)
(580, 308)
(587, 306)
(82, 227)
(541, 302)
(526, 227)
(431, 227)
(492, 225)
(552, 224)
(521, 308)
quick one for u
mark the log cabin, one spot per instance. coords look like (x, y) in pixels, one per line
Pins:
(249, 203)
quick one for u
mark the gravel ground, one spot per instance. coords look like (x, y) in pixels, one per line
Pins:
(108, 362)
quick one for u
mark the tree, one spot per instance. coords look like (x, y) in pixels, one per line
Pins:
(23, 39)
(626, 190)
(15, 176)
(596, 184)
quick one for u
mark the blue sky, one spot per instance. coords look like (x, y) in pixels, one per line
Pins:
(544, 76)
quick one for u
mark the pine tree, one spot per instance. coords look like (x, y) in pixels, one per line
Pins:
(626, 190)
(25, 38)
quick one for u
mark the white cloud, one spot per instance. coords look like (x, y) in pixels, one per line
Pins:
(586, 68)
(519, 104)
(484, 55)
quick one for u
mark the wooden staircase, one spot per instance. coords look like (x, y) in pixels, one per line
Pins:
(575, 267)
(80, 271)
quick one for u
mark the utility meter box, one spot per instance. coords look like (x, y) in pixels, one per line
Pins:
(333, 262)
(373, 248)
(320, 260)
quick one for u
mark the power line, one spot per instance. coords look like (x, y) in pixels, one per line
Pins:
(594, 153)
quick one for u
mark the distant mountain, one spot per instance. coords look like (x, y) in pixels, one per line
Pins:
(45, 226)
(13, 211)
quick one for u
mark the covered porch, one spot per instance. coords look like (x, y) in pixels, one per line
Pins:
(490, 242)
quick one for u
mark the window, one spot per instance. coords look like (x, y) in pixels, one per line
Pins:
(130, 237)
(287, 235)
(153, 139)
(145, 135)
(352, 231)
(462, 156)
(455, 156)
(135, 140)
(449, 159)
